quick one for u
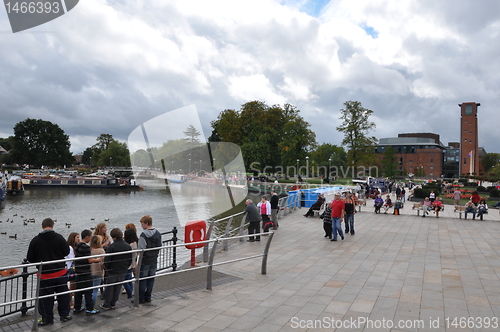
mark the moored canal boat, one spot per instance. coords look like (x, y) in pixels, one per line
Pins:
(79, 182)
(15, 185)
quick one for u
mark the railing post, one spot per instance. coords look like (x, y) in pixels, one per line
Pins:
(242, 225)
(210, 266)
(174, 249)
(225, 243)
(266, 251)
(37, 294)
(24, 275)
(205, 247)
(137, 279)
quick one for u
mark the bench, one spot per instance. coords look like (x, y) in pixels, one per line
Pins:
(459, 209)
(317, 213)
(419, 207)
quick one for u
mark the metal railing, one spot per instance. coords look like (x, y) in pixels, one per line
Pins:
(15, 288)
(167, 257)
(34, 290)
(20, 286)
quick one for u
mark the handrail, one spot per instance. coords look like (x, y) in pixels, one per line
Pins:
(141, 252)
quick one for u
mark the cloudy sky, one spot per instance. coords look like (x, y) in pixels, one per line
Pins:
(109, 65)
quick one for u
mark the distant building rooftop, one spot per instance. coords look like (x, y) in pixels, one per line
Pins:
(408, 141)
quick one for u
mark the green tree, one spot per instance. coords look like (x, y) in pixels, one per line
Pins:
(88, 156)
(389, 162)
(489, 160)
(329, 159)
(107, 152)
(356, 126)
(271, 136)
(6, 143)
(297, 140)
(103, 142)
(192, 135)
(141, 158)
(41, 143)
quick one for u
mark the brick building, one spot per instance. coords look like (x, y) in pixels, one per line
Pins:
(422, 154)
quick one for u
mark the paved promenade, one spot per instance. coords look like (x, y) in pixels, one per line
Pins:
(398, 273)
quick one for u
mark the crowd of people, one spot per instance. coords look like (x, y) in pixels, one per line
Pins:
(89, 268)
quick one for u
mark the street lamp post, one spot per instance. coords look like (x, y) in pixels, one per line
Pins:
(200, 165)
(297, 170)
(329, 168)
(307, 167)
(189, 166)
(110, 159)
(172, 166)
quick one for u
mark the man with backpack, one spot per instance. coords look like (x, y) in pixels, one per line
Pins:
(150, 238)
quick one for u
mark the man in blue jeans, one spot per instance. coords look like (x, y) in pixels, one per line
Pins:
(338, 212)
(150, 238)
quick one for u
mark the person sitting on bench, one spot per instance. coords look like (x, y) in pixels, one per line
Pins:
(437, 206)
(387, 204)
(316, 206)
(482, 208)
(470, 207)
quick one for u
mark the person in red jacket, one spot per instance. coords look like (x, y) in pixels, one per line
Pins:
(338, 211)
(437, 206)
(475, 198)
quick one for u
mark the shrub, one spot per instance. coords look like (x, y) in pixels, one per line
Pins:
(494, 193)
(481, 188)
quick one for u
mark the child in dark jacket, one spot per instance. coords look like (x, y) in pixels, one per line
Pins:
(327, 220)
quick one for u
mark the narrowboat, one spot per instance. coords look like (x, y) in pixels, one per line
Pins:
(15, 186)
(79, 182)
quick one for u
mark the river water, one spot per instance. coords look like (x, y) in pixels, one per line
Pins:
(77, 209)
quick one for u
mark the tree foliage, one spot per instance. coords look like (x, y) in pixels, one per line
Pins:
(389, 162)
(489, 160)
(269, 135)
(192, 134)
(356, 127)
(41, 143)
(328, 155)
(180, 155)
(107, 152)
